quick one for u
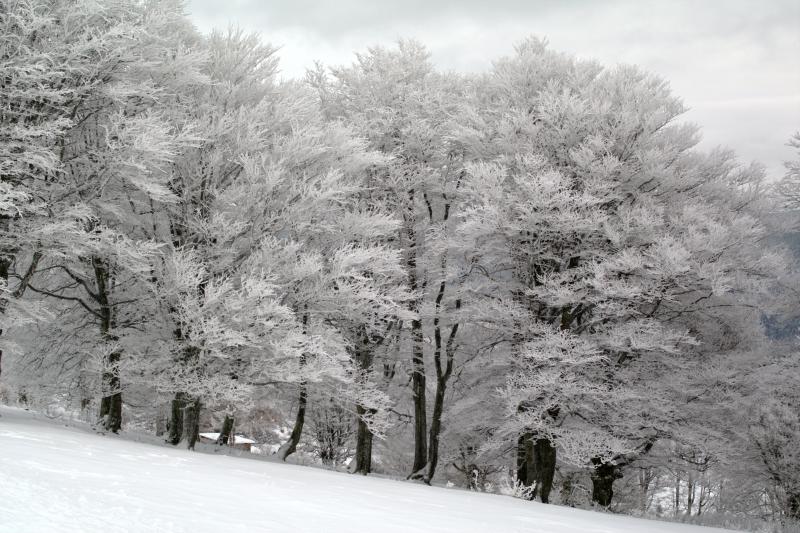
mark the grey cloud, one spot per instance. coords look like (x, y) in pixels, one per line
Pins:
(333, 19)
(717, 54)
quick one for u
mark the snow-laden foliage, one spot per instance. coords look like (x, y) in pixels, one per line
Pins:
(533, 270)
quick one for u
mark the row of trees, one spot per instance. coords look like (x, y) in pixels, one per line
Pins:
(531, 267)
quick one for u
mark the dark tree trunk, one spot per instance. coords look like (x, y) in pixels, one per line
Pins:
(794, 506)
(436, 429)
(363, 457)
(182, 400)
(525, 466)
(536, 465)
(111, 403)
(175, 425)
(418, 388)
(544, 460)
(604, 474)
(443, 373)
(364, 356)
(226, 437)
(603, 477)
(191, 422)
(290, 446)
(5, 263)
(417, 355)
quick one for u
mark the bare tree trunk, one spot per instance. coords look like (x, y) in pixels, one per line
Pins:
(418, 385)
(605, 473)
(442, 377)
(603, 477)
(418, 388)
(435, 429)
(5, 263)
(175, 426)
(226, 436)
(364, 356)
(526, 474)
(544, 454)
(539, 453)
(793, 501)
(418, 382)
(536, 465)
(645, 480)
(290, 446)
(111, 404)
(690, 494)
(701, 501)
(110, 417)
(191, 422)
(363, 458)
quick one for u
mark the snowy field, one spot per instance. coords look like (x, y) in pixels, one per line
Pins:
(55, 479)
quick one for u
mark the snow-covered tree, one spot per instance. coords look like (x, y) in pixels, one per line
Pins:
(407, 111)
(112, 160)
(789, 187)
(542, 252)
(271, 221)
(621, 242)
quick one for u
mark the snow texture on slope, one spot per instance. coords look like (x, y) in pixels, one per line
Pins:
(68, 480)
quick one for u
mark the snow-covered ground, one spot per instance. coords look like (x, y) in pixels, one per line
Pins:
(55, 479)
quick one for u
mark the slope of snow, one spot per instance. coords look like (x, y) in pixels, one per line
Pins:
(68, 480)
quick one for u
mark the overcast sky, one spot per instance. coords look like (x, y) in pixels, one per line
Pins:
(736, 63)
